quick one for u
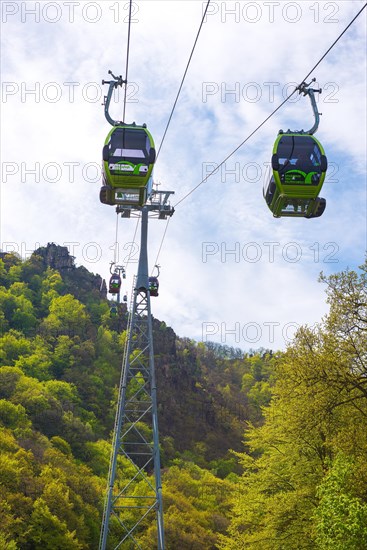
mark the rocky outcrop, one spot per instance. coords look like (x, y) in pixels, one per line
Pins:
(56, 257)
(78, 280)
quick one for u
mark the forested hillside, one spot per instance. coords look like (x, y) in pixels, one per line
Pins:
(260, 450)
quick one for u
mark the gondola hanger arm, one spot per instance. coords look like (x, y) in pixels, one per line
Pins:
(117, 81)
(305, 89)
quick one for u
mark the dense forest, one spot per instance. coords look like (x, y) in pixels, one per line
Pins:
(261, 449)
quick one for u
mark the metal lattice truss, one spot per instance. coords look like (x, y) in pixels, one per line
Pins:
(134, 491)
(131, 500)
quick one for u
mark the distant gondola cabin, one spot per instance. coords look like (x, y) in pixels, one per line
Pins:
(153, 286)
(114, 284)
(113, 311)
(298, 166)
(128, 160)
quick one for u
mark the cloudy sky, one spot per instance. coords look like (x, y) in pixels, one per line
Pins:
(230, 272)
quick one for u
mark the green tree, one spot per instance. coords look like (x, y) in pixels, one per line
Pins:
(9, 377)
(38, 363)
(14, 417)
(51, 287)
(3, 273)
(48, 532)
(13, 345)
(5, 543)
(196, 504)
(341, 516)
(66, 316)
(289, 496)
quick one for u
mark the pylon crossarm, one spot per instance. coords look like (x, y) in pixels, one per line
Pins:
(137, 407)
(137, 498)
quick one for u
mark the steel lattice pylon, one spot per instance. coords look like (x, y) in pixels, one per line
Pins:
(139, 494)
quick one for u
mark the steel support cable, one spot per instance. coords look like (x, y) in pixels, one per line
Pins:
(127, 59)
(273, 113)
(116, 239)
(172, 111)
(160, 246)
(133, 242)
(221, 164)
(235, 150)
(335, 41)
(183, 78)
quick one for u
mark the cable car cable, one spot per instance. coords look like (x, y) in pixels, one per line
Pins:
(183, 78)
(160, 246)
(127, 59)
(235, 150)
(172, 111)
(273, 113)
(116, 239)
(333, 44)
(133, 241)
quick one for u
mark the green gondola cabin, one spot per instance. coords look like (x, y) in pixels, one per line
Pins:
(153, 286)
(298, 167)
(128, 160)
